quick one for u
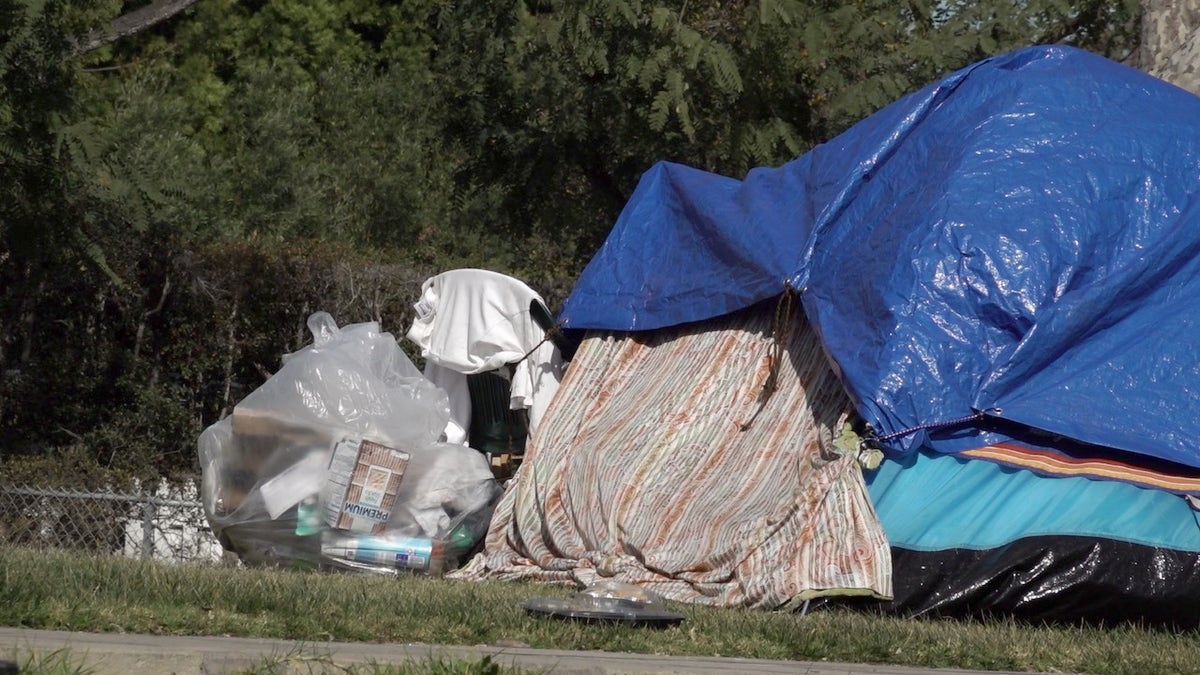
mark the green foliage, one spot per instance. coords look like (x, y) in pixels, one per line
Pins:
(124, 379)
(174, 205)
(565, 103)
(286, 119)
(58, 191)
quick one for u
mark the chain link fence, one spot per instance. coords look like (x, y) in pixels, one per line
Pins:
(168, 525)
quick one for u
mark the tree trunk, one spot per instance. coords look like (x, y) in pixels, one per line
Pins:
(230, 359)
(128, 24)
(1170, 43)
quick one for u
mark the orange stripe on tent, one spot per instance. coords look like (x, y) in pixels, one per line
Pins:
(1058, 465)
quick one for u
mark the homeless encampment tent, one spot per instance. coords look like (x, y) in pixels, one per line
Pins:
(1002, 270)
(659, 463)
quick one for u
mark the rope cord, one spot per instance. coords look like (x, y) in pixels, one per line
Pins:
(781, 330)
(974, 417)
(550, 335)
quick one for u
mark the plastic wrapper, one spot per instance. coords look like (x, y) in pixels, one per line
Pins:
(335, 462)
(607, 601)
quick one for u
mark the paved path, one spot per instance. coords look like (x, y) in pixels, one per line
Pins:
(130, 654)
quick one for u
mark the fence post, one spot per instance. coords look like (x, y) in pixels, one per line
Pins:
(148, 517)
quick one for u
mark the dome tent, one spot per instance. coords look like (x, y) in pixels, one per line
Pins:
(999, 266)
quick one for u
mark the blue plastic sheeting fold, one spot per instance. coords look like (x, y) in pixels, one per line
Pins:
(931, 502)
(690, 245)
(1021, 238)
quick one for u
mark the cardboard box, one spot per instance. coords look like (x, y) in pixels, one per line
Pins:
(267, 443)
(364, 479)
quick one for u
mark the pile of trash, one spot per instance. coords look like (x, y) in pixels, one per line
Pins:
(335, 462)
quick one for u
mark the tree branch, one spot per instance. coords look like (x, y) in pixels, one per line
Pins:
(128, 24)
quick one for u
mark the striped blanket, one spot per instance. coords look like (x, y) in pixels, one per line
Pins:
(659, 464)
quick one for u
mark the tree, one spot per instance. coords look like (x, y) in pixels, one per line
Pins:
(1170, 42)
(127, 168)
(561, 105)
(294, 118)
(174, 202)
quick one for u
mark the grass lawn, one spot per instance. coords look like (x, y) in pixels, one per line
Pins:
(70, 591)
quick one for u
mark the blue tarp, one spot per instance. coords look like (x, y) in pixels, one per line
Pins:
(1020, 239)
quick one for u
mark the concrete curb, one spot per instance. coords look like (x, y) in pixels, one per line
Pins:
(126, 654)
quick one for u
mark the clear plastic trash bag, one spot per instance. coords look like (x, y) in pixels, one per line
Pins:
(335, 462)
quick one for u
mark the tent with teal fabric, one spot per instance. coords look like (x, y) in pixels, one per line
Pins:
(972, 537)
(1006, 261)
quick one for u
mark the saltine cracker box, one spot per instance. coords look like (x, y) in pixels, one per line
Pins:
(364, 478)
